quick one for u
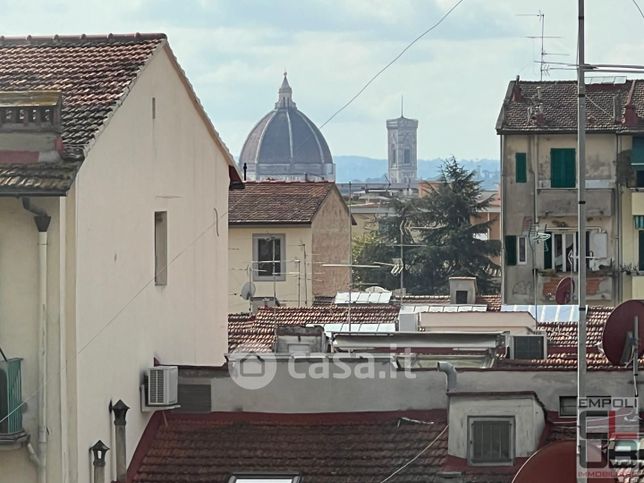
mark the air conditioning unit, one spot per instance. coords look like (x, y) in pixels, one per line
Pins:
(529, 347)
(163, 382)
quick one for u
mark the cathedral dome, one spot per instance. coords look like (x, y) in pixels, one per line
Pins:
(285, 144)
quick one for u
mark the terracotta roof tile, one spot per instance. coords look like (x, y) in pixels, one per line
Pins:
(559, 104)
(281, 202)
(92, 72)
(38, 178)
(258, 334)
(562, 345)
(324, 448)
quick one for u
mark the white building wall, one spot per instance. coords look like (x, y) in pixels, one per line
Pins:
(142, 163)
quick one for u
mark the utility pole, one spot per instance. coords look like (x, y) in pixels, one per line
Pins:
(350, 258)
(581, 230)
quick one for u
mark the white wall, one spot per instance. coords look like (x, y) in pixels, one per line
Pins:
(140, 165)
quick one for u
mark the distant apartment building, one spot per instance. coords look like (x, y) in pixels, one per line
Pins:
(538, 129)
(288, 242)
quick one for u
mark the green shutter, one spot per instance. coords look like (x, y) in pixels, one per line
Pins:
(510, 250)
(547, 253)
(641, 250)
(562, 168)
(637, 155)
(521, 168)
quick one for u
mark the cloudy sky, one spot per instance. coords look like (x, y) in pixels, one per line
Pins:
(453, 80)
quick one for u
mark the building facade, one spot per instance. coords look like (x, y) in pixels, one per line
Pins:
(538, 126)
(282, 235)
(111, 242)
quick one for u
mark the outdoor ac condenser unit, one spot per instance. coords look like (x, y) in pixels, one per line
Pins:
(163, 382)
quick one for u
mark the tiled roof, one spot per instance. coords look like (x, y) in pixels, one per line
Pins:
(558, 101)
(93, 73)
(283, 202)
(258, 333)
(493, 302)
(562, 345)
(323, 448)
(38, 178)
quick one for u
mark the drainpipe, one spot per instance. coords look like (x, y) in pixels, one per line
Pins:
(62, 334)
(120, 409)
(450, 372)
(42, 221)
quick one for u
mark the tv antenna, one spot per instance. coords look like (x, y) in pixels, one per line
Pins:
(543, 65)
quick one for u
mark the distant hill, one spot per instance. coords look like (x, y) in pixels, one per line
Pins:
(360, 168)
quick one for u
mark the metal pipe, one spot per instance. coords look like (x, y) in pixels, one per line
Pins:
(581, 227)
(450, 372)
(120, 410)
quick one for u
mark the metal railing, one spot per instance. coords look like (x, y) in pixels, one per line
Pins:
(10, 396)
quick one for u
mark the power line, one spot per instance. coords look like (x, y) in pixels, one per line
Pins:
(638, 8)
(400, 54)
(415, 457)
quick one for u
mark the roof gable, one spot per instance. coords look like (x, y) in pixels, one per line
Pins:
(277, 202)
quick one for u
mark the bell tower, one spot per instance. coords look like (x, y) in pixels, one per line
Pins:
(402, 150)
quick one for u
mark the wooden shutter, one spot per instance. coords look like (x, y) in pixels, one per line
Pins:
(547, 253)
(562, 168)
(521, 168)
(641, 250)
(510, 250)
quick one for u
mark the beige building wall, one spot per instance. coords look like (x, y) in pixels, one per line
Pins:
(151, 157)
(19, 328)
(331, 244)
(555, 209)
(298, 277)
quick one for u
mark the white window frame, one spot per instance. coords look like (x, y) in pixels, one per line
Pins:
(522, 240)
(470, 440)
(566, 237)
(258, 277)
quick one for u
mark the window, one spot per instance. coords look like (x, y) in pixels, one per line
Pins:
(491, 440)
(161, 247)
(510, 250)
(268, 257)
(393, 155)
(461, 297)
(267, 478)
(640, 250)
(560, 251)
(521, 168)
(523, 250)
(407, 156)
(528, 347)
(562, 168)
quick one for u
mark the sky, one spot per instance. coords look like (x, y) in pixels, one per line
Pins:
(453, 80)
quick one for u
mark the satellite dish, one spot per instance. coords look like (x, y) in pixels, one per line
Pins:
(564, 291)
(618, 341)
(247, 290)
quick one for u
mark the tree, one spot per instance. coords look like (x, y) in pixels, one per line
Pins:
(448, 235)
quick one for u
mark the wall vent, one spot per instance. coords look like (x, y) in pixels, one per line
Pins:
(162, 385)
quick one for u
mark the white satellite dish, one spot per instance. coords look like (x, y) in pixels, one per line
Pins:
(376, 289)
(247, 290)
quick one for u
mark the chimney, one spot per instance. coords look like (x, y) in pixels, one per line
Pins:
(539, 116)
(120, 409)
(462, 290)
(99, 451)
(617, 110)
(517, 95)
(630, 116)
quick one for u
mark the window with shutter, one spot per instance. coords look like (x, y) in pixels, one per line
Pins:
(637, 154)
(641, 250)
(562, 168)
(510, 250)
(521, 168)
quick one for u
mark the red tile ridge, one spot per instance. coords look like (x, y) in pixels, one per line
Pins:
(47, 39)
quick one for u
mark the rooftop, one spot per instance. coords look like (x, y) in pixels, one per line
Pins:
(551, 106)
(277, 202)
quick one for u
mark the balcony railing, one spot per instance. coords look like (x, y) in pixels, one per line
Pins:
(10, 398)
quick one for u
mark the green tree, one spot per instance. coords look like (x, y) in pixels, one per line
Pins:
(446, 231)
